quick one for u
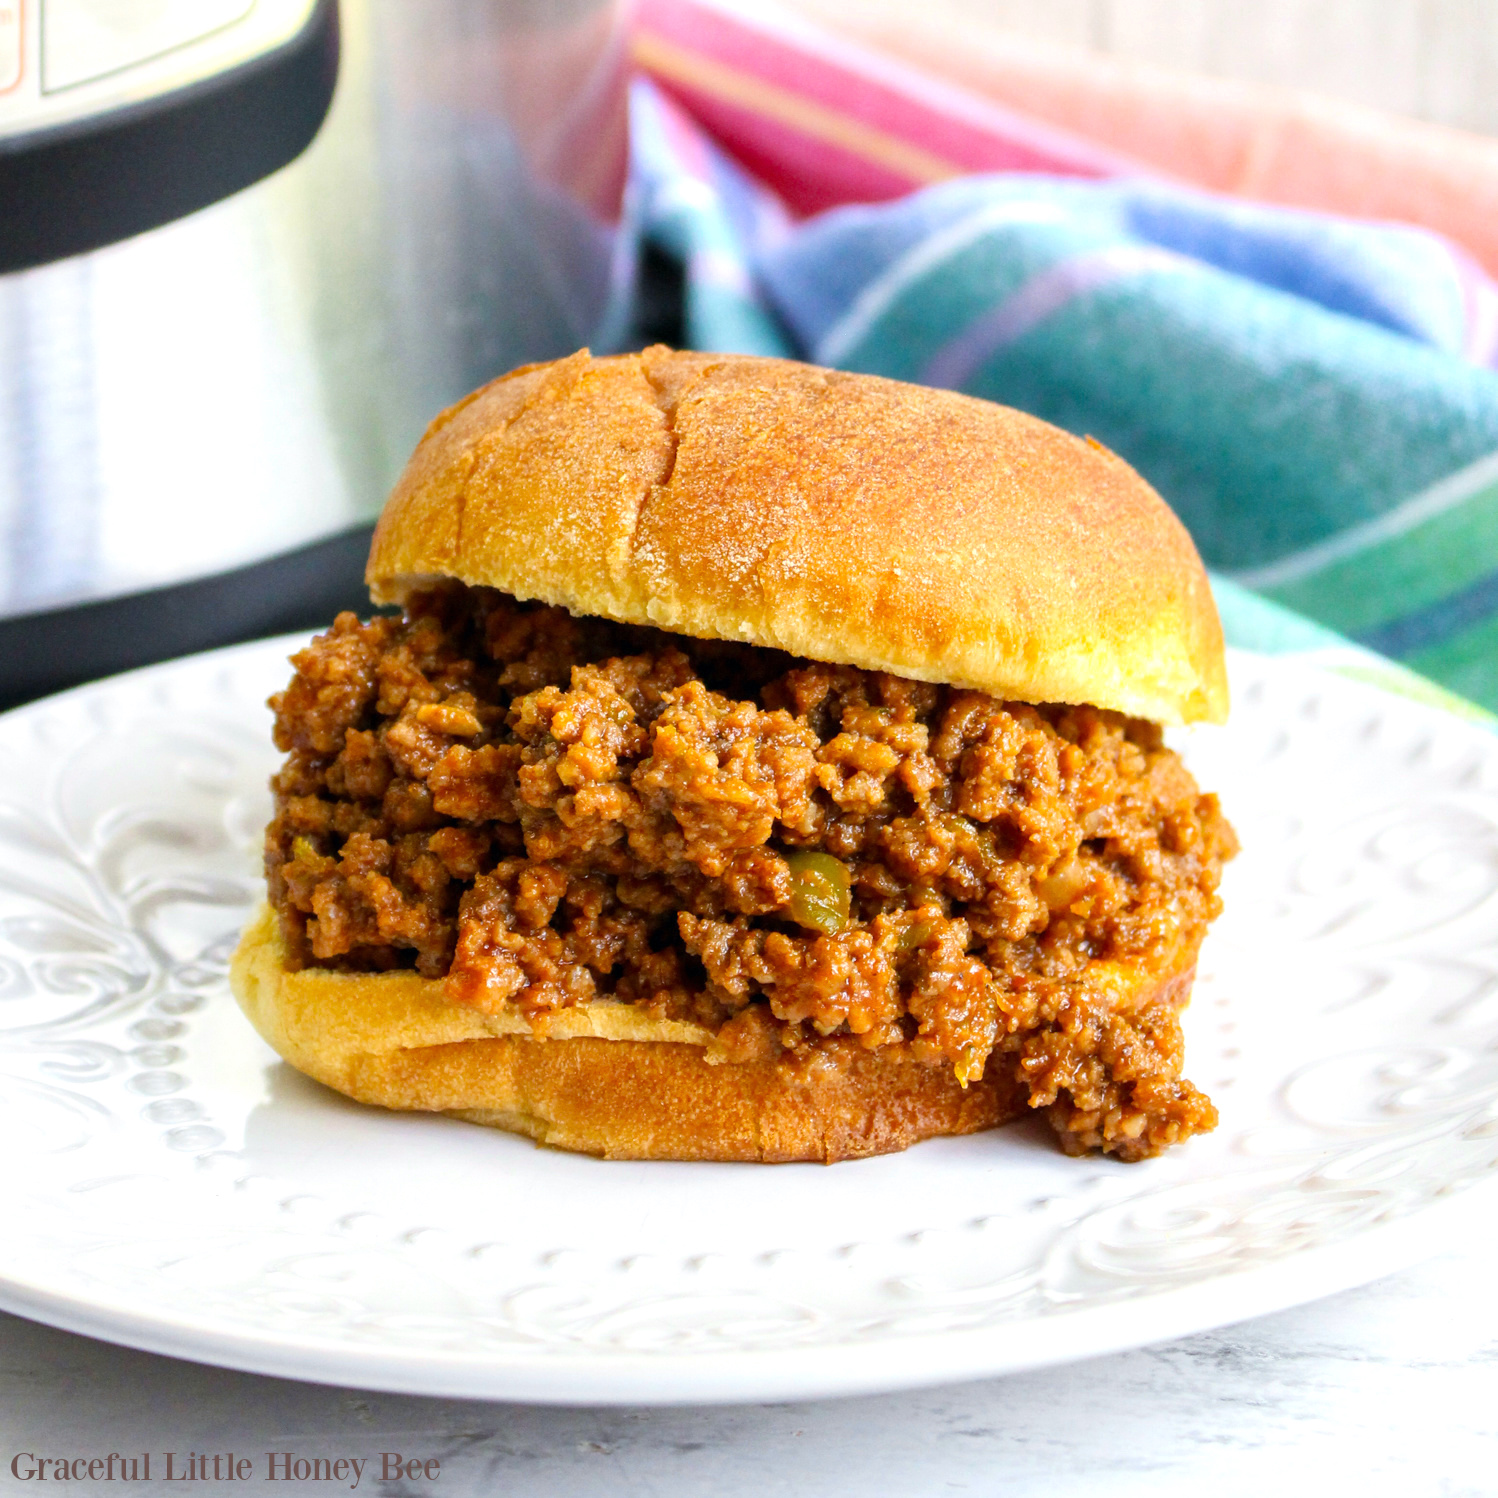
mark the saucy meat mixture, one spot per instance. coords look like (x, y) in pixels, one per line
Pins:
(800, 857)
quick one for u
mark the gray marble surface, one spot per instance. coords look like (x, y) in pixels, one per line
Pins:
(1391, 1389)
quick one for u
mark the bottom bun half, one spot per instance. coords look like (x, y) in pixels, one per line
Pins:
(605, 1080)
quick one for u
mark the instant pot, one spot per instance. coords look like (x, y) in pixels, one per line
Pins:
(212, 362)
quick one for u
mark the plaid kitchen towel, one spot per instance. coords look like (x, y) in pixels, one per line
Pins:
(1301, 388)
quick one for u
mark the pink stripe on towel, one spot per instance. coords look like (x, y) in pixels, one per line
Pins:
(824, 121)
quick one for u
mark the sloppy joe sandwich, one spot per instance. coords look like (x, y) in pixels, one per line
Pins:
(765, 764)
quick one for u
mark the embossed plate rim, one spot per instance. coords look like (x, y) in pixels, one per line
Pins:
(813, 1373)
(870, 1353)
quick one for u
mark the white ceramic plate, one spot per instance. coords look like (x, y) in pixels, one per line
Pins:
(167, 1183)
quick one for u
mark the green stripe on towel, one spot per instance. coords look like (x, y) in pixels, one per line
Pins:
(1362, 586)
(1465, 663)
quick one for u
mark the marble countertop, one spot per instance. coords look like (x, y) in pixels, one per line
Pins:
(1391, 1389)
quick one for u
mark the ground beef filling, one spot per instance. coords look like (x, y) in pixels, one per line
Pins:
(803, 858)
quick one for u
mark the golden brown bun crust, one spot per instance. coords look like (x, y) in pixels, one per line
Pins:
(840, 517)
(392, 1039)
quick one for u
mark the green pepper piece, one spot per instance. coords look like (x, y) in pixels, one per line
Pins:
(913, 936)
(821, 890)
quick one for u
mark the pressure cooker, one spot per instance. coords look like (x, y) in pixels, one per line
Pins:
(248, 249)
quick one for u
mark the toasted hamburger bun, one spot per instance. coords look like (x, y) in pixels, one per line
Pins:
(839, 517)
(835, 516)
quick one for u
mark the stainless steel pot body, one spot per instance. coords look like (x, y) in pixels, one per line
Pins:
(249, 379)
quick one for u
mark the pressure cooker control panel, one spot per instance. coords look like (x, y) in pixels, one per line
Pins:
(65, 60)
(119, 115)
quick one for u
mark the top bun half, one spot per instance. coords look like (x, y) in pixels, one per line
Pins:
(839, 517)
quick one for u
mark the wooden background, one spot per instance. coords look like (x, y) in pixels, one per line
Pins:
(1435, 59)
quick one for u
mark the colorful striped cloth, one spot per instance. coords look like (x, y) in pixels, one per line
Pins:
(823, 122)
(1275, 144)
(1305, 390)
